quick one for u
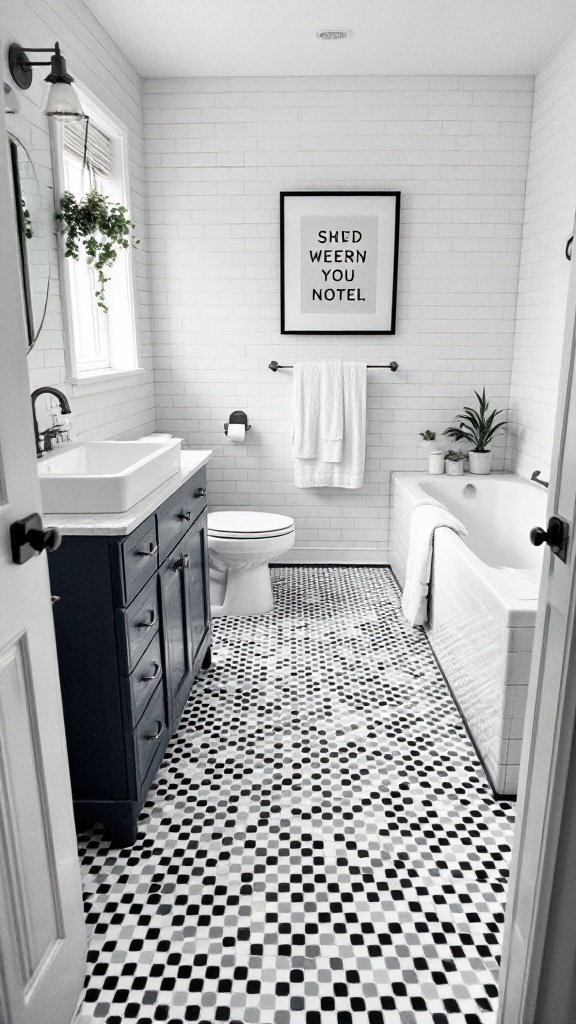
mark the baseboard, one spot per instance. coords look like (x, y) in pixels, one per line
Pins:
(335, 556)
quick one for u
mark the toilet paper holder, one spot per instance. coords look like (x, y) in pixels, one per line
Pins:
(237, 417)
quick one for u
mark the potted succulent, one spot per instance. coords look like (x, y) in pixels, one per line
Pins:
(428, 442)
(427, 437)
(454, 462)
(478, 428)
(435, 456)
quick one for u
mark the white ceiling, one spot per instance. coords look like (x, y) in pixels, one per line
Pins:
(181, 38)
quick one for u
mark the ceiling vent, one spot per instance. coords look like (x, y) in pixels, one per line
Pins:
(334, 33)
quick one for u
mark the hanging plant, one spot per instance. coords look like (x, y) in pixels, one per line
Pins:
(102, 227)
(27, 220)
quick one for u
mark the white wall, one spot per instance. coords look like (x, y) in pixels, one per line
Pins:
(95, 61)
(544, 270)
(219, 151)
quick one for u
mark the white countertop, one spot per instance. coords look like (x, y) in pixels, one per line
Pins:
(121, 523)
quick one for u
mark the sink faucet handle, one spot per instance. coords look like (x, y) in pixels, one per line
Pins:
(50, 435)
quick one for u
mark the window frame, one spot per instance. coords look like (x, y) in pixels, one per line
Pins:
(124, 358)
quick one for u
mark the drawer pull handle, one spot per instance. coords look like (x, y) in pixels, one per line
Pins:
(151, 679)
(185, 515)
(200, 492)
(147, 625)
(148, 554)
(181, 563)
(157, 734)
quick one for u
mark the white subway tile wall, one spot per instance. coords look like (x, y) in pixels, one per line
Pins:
(127, 406)
(544, 270)
(219, 151)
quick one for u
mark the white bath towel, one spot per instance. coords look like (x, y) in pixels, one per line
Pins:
(331, 411)
(318, 411)
(306, 410)
(425, 520)
(324, 459)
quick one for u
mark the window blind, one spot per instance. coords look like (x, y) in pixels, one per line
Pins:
(99, 148)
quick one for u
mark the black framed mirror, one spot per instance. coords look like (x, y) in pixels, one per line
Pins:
(31, 223)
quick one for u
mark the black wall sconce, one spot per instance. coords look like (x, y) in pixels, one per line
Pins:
(62, 100)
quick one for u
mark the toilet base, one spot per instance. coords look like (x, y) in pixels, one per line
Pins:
(248, 592)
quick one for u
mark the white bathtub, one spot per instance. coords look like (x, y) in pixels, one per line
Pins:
(483, 601)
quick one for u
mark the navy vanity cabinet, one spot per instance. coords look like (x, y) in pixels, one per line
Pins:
(132, 630)
(174, 577)
(185, 603)
(143, 681)
(196, 547)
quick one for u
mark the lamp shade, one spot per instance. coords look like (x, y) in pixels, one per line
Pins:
(62, 101)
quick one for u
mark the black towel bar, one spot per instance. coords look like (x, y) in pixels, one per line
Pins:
(274, 366)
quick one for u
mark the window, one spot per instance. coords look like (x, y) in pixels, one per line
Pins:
(99, 344)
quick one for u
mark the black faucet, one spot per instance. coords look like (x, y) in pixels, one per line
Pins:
(64, 405)
(535, 476)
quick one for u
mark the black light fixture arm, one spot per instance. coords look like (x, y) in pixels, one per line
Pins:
(21, 66)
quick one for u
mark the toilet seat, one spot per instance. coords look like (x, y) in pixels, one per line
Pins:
(249, 525)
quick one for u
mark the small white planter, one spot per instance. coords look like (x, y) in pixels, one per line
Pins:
(454, 468)
(480, 462)
(436, 463)
(428, 446)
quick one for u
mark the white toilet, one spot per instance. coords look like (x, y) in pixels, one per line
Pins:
(240, 545)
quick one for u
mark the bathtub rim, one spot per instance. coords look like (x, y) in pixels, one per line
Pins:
(494, 586)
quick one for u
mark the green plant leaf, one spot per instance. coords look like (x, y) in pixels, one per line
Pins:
(103, 229)
(477, 426)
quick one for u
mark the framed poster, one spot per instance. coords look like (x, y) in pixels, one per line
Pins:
(338, 262)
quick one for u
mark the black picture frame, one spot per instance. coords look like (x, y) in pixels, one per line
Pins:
(389, 327)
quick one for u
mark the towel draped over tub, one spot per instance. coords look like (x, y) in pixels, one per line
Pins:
(425, 520)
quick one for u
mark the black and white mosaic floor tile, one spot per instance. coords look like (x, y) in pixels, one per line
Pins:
(320, 845)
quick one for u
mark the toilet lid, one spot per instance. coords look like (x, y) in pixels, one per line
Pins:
(248, 524)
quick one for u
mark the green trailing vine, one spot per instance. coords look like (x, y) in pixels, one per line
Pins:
(27, 220)
(102, 227)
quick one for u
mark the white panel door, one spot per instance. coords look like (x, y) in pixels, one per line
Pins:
(42, 933)
(538, 976)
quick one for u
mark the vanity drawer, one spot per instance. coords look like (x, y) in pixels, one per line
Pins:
(139, 558)
(144, 679)
(149, 733)
(177, 515)
(137, 625)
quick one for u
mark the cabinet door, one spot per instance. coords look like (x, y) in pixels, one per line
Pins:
(196, 547)
(174, 595)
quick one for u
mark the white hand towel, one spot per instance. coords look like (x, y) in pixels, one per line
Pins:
(331, 411)
(425, 520)
(319, 471)
(306, 410)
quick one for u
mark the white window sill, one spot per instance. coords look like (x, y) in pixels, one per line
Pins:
(101, 380)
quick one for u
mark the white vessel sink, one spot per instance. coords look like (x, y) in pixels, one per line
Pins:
(105, 476)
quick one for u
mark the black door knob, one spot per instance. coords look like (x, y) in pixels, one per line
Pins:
(44, 540)
(28, 537)
(555, 535)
